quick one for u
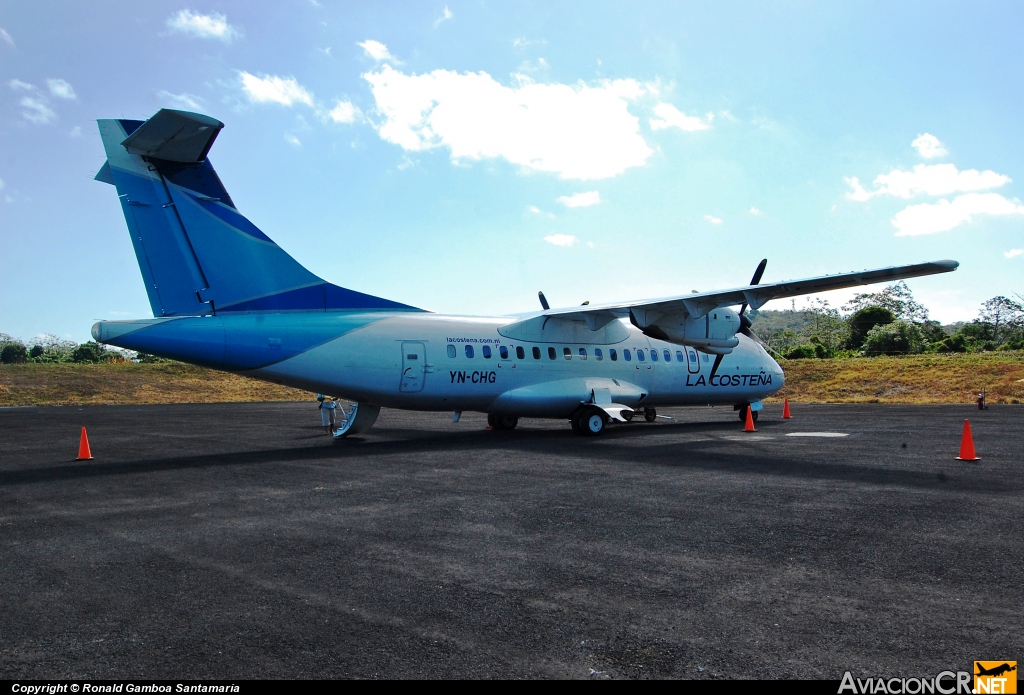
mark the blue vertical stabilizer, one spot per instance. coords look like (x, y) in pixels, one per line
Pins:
(199, 255)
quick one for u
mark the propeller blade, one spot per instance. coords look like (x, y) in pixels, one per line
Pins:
(543, 301)
(753, 281)
(759, 272)
(714, 367)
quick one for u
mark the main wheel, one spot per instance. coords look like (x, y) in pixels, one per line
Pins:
(627, 415)
(650, 414)
(503, 423)
(577, 426)
(592, 421)
(743, 414)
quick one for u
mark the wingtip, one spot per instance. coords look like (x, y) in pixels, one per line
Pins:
(949, 264)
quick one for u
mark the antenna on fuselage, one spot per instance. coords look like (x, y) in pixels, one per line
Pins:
(543, 301)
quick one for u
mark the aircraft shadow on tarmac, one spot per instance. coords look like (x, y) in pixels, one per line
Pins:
(717, 455)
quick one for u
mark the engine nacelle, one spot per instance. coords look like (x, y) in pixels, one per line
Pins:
(714, 332)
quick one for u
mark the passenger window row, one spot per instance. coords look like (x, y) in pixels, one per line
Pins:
(627, 354)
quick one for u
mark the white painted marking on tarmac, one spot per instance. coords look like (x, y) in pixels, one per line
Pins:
(748, 438)
(818, 434)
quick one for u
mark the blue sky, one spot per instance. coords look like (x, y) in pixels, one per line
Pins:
(461, 156)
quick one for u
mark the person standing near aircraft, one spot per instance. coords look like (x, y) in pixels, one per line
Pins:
(327, 410)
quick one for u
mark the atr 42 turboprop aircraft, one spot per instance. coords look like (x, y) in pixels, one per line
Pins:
(225, 296)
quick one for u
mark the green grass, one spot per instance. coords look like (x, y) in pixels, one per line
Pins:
(930, 378)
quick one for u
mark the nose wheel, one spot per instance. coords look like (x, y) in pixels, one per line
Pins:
(743, 413)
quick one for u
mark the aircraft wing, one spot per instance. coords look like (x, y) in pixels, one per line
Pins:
(699, 304)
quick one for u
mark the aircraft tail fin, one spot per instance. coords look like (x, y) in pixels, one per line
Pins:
(198, 254)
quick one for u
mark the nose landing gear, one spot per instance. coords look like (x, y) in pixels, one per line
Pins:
(743, 413)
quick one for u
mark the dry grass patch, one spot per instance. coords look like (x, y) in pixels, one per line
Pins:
(932, 378)
(95, 384)
(912, 379)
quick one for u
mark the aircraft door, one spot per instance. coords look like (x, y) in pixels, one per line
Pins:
(692, 361)
(414, 367)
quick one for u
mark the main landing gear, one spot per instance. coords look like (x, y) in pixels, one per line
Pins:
(593, 421)
(502, 423)
(590, 421)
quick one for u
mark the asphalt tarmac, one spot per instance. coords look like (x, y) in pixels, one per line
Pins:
(237, 541)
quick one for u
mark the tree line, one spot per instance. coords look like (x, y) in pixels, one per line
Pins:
(889, 322)
(49, 349)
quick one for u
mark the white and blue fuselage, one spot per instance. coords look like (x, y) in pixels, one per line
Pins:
(425, 361)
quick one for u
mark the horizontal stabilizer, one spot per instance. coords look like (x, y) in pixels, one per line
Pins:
(174, 136)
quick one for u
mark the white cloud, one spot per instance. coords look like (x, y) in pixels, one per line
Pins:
(756, 213)
(6, 37)
(378, 51)
(930, 218)
(1012, 253)
(928, 146)
(712, 219)
(523, 42)
(76, 132)
(669, 116)
(929, 179)
(447, 15)
(343, 112)
(180, 101)
(37, 111)
(292, 140)
(203, 26)
(561, 239)
(533, 65)
(18, 84)
(580, 200)
(577, 131)
(279, 90)
(61, 89)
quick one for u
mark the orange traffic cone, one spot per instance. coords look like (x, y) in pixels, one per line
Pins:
(785, 410)
(83, 447)
(967, 445)
(749, 427)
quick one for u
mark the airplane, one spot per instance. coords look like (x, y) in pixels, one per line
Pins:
(225, 296)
